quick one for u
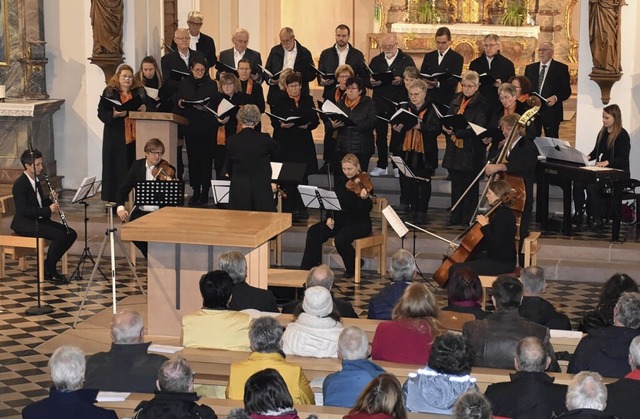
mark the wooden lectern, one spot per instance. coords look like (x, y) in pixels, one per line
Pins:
(162, 125)
(185, 243)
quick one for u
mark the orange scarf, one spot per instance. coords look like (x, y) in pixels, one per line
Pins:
(129, 124)
(413, 140)
(463, 105)
(338, 94)
(351, 103)
(509, 111)
(249, 86)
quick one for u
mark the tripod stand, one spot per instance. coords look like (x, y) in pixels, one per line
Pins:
(111, 237)
(86, 252)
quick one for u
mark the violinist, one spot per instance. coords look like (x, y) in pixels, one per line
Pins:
(495, 253)
(352, 222)
(152, 167)
(522, 159)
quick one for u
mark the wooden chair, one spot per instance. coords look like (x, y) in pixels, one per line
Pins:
(19, 247)
(452, 320)
(374, 245)
(531, 247)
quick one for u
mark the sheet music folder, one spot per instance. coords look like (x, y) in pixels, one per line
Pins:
(314, 197)
(160, 193)
(560, 150)
(220, 189)
(289, 173)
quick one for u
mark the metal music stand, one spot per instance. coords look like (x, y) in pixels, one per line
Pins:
(314, 197)
(160, 193)
(406, 170)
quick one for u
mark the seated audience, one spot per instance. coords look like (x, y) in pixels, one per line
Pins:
(127, 366)
(266, 396)
(322, 276)
(586, 397)
(381, 399)
(243, 295)
(531, 393)
(536, 308)
(602, 315)
(403, 269)
(407, 338)
(472, 405)
(215, 326)
(606, 351)
(265, 338)
(67, 399)
(464, 293)
(175, 398)
(343, 387)
(495, 338)
(623, 400)
(315, 328)
(435, 388)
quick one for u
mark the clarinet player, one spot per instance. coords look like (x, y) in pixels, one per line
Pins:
(30, 208)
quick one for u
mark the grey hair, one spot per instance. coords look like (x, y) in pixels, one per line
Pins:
(634, 351)
(234, 263)
(127, 327)
(471, 76)
(628, 308)
(175, 376)
(531, 355)
(532, 278)
(249, 115)
(320, 276)
(587, 391)
(353, 344)
(472, 405)
(67, 366)
(265, 334)
(507, 88)
(403, 266)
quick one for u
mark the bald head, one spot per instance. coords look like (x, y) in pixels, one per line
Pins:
(545, 52)
(531, 355)
(389, 44)
(127, 327)
(320, 276)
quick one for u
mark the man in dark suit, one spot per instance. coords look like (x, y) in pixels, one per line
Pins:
(442, 60)
(622, 399)
(390, 59)
(536, 308)
(495, 64)
(341, 53)
(289, 54)
(198, 41)
(323, 276)
(232, 56)
(243, 295)
(31, 209)
(550, 78)
(141, 170)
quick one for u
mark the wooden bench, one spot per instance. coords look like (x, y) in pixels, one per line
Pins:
(19, 247)
(286, 278)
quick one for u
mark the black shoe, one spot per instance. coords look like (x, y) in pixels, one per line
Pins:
(578, 219)
(55, 278)
(596, 226)
(348, 275)
(303, 214)
(194, 201)
(404, 208)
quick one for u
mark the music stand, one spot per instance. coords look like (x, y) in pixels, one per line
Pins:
(159, 193)
(220, 189)
(406, 170)
(314, 197)
(88, 189)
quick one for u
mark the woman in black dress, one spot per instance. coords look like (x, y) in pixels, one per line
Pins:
(200, 134)
(249, 85)
(118, 138)
(151, 78)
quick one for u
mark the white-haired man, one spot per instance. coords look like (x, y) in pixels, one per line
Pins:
(403, 269)
(623, 400)
(586, 397)
(536, 308)
(240, 50)
(243, 295)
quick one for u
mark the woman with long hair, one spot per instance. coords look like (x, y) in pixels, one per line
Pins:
(464, 293)
(381, 399)
(602, 315)
(266, 396)
(151, 78)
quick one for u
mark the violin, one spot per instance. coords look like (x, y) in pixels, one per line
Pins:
(359, 182)
(164, 171)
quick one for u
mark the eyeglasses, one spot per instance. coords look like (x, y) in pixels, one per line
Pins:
(156, 153)
(543, 49)
(468, 86)
(126, 77)
(490, 45)
(344, 76)
(503, 98)
(198, 70)
(194, 23)
(383, 46)
(183, 38)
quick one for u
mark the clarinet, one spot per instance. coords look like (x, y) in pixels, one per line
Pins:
(55, 200)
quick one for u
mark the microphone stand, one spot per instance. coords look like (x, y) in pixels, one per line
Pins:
(39, 309)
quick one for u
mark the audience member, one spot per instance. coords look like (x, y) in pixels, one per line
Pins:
(464, 293)
(495, 338)
(67, 399)
(602, 315)
(586, 397)
(623, 400)
(243, 295)
(472, 405)
(315, 328)
(266, 396)
(322, 276)
(126, 366)
(215, 326)
(407, 338)
(265, 338)
(175, 398)
(531, 393)
(343, 387)
(435, 388)
(381, 399)
(403, 269)
(606, 351)
(536, 308)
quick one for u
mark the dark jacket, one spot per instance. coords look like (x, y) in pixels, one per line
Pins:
(397, 93)
(173, 61)
(557, 82)
(302, 64)
(586, 414)
(422, 164)
(381, 304)
(205, 46)
(126, 368)
(137, 173)
(27, 207)
(605, 351)
(245, 296)
(498, 239)
(255, 60)
(601, 316)
(68, 405)
(539, 310)
(344, 308)
(622, 396)
(451, 62)
(476, 311)
(494, 339)
(618, 155)
(200, 122)
(359, 138)
(173, 406)
(256, 96)
(501, 68)
(342, 388)
(529, 395)
(329, 61)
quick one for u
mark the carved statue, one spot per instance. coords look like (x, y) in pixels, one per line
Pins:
(106, 20)
(604, 35)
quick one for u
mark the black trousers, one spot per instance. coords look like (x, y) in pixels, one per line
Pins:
(200, 155)
(485, 266)
(344, 237)
(382, 128)
(460, 181)
(329, 144)
(596, 203)
(57, 235)
(135, 214)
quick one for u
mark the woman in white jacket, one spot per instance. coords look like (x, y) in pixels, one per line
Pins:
(316, 326)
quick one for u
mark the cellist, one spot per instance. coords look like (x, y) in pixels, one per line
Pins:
(495, 254)
(522, 158)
